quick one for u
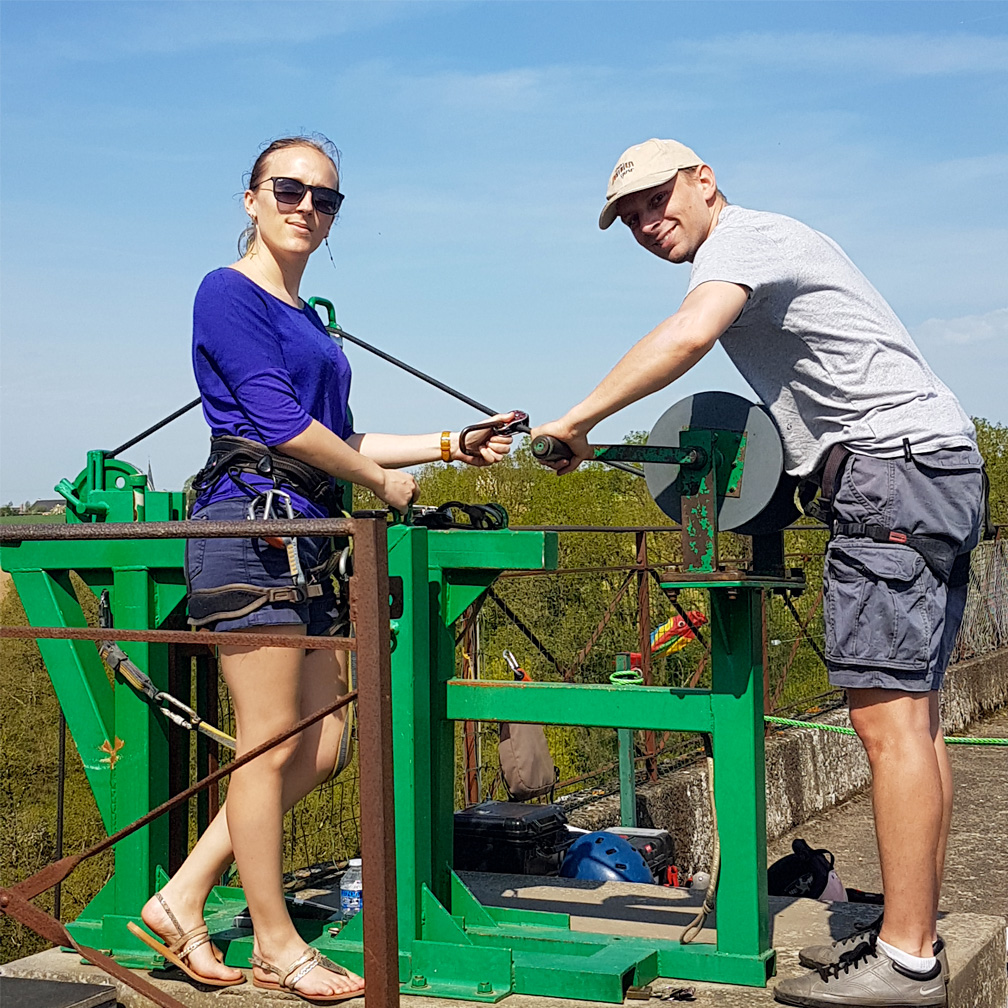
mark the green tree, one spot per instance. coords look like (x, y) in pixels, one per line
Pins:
(993, 441)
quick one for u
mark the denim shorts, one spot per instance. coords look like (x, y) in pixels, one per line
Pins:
(211, 563)
(890, 621)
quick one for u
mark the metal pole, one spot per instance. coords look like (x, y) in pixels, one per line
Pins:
(369, 608)
(644, 625)
(60, 794)
(470, 644)
(766, 652)
(179, 748)
(627, 772)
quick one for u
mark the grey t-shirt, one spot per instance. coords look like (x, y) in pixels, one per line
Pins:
(821, 348)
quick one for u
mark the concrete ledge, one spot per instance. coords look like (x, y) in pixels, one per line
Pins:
(976, 950)
(807, 770)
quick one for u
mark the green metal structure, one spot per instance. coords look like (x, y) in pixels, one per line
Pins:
(122, 741)
(449, 944)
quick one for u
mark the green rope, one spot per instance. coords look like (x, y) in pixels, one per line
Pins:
(949, 739)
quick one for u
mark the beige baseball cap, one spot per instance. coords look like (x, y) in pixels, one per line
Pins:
(642, 166)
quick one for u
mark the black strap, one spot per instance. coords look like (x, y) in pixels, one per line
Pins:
(825, 480)
(231, 601)
(489, 516)
(939, 554)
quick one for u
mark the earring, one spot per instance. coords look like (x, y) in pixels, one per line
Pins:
(329, 250)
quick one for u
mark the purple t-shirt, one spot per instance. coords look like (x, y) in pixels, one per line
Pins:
(265, 370)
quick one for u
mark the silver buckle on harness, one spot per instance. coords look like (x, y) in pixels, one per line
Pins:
(267, 502)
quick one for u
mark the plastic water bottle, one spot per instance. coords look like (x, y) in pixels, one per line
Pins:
(352, 890)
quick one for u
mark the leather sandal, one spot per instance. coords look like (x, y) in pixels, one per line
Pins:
(183, 946)
(297, 971)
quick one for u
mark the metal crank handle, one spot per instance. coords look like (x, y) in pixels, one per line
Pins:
(550, 449)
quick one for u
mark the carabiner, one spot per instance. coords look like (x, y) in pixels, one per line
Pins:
(266, 499)
(517, 671)
(518, 425)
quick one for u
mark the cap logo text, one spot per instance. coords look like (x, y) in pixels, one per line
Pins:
(622, 169)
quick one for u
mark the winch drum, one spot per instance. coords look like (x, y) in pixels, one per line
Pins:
(764, 499)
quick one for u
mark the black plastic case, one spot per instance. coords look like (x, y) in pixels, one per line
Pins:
(656, 846)
(511, 837)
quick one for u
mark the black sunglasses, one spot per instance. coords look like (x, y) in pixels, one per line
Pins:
(291, 191)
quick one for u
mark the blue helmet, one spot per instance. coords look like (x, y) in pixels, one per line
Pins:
(605, 857)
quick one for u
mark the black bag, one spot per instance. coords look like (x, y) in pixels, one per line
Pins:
(806, 872)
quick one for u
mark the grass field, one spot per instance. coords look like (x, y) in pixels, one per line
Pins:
(32, 519)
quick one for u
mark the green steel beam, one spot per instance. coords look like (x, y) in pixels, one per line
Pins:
(411, 724)
(601, 705)
(79, 679)
(740, 797)
(140, 766)
(627, 778)
(105, 553)
(460, 549)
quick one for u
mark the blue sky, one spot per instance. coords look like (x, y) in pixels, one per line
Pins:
(476, 140)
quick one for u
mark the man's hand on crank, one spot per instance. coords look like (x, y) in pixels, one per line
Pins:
(573, 436)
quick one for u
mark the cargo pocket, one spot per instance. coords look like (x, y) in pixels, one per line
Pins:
(877, 606)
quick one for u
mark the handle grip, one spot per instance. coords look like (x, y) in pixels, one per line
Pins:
(317, 302)
(550, 449)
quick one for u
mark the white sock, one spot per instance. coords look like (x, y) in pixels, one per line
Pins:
(907, 961)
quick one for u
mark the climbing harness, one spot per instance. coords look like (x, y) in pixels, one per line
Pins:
(236, 458)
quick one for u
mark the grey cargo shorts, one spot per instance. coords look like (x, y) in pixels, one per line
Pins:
(890, 622)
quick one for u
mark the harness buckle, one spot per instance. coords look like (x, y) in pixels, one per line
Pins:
(898, 537)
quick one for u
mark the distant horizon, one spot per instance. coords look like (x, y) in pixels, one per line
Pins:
(476, 143)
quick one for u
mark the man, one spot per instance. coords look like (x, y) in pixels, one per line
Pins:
(850, 393)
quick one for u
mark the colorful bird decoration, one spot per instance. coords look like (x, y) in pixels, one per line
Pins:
(675, 633)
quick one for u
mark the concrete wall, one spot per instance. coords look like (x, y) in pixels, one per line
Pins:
(807, 770)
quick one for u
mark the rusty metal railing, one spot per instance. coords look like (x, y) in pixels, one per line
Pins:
(369, 610)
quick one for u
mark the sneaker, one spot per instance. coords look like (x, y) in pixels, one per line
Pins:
(824, 956)
(865, 977)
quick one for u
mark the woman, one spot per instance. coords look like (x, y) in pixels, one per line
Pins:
(272, 378)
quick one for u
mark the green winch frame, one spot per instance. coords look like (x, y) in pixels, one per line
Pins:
(450, 945)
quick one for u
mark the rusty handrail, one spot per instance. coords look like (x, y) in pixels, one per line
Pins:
(189, 529)
(207, 637)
